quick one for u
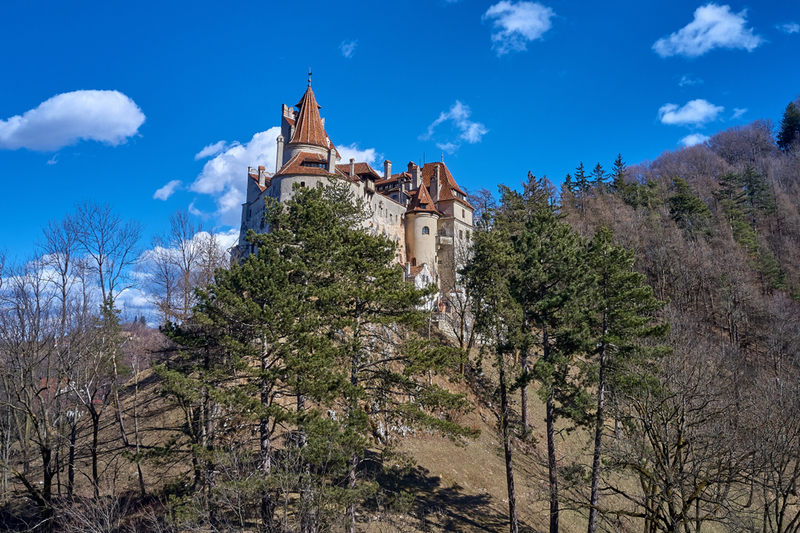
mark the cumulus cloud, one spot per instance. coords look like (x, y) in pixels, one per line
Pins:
(368, 155)
(167, 190)
(105, 116)
(224, 177)
(515, 24)
(694, 113)
(789, 27)
(694, 138)
(348, 48)
(713, 26)
(688, 79)
(738, 112)
(458, 115)
(211, 149)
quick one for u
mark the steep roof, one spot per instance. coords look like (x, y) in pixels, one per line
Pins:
(305, 163)
(420, 198)
(449, 188)
(360, 168)
(309, 128)
(311, 164)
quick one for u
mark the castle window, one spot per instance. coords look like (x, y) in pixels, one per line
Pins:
(426, 230)
(460, 234)
(302, 183)
(463, 215)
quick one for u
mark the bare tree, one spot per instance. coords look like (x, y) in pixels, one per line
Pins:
(31, 374)
(112, 247)
(111, 243)
(183, 258)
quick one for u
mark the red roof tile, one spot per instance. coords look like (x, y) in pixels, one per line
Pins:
(360, 168)
(420, 198)
(448, 185)
(296, 165)
(309, 128)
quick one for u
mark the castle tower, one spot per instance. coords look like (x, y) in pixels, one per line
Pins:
(422, 222)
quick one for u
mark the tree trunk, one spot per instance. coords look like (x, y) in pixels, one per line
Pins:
(598, 443)
(524, 393)
(95, 431)
(265, 448)
(512, 496)
(551, 462)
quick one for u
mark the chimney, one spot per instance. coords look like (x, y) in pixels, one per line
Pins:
(279, 155)
(435, 184)
(331, 161)
(352, 167)
(262, 177)
(387, 169)
(413, 169)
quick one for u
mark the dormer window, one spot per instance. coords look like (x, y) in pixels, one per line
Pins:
(314, 164)
(423, 206)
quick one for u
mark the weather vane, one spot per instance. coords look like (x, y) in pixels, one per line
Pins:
(309, 76)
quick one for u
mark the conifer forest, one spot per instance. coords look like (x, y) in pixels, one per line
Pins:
(618, 353)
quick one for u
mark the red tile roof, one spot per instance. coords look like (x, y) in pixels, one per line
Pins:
(295, 165)
(360, 168)
(309, 128)
(449, 187)
(418, 198)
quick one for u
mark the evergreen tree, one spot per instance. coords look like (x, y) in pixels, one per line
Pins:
(690, 212)
(321, 314)
(525, 276)
(790, 127)
(599, 178)
(621, 308)
(487, 278)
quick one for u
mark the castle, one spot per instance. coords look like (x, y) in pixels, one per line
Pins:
(422, 209)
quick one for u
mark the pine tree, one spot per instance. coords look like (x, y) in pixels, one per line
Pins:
(621, 308)
(599, 178)
(321, 314)
(790, 127)
(689, 212)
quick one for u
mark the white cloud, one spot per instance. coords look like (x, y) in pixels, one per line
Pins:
(694, 113)
(789, 27)
(224, 177)
(694, 138)
(348, 48)
(105, 116)
(448, 147)
(713, 26)
(514, 24)
(167, 190)
(368, 155)
(211, 149)
(458, 115)
(130, 299)
(738, 112)
(53, 160)
(687, 79)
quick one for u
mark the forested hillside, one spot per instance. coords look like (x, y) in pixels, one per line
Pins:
(621, 354)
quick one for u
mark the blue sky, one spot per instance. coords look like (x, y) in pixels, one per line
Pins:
(158, 106)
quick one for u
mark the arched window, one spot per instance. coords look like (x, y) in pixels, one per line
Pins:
(426, 230)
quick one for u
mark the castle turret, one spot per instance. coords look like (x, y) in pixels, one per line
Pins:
(422, 220)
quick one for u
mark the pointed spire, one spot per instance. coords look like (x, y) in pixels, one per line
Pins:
(309, 128)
